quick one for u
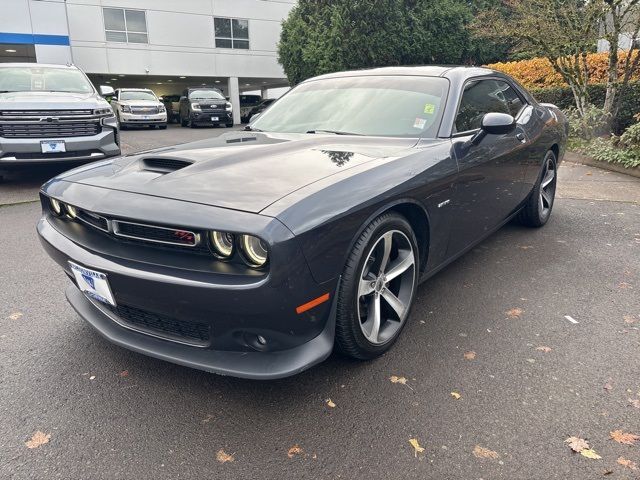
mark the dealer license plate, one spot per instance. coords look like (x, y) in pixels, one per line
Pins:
(52, 146)
(215, 119)
(93, 284)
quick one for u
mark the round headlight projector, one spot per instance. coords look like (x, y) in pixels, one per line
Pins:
(222, 243)
(254, 250)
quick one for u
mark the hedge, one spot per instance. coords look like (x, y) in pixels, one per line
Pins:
(563, 98)
(538, 72)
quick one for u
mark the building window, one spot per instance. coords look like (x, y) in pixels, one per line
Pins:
(126, 26)
(232, 33)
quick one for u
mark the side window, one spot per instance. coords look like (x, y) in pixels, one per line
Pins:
(485, 96)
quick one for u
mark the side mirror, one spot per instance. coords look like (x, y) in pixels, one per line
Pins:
(106, 91)
(183, 98)
(494, 124)
(227, 98)
(160, 99)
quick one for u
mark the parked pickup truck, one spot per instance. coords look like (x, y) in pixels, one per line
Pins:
(53, 113)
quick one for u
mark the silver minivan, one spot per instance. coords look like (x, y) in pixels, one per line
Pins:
(53, 113)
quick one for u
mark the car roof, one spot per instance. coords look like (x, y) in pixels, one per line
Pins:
(424, 70)
(38, 65)
(136, 89)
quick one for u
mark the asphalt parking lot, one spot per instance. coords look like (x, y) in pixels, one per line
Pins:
(536, 331)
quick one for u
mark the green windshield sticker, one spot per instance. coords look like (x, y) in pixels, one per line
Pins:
(430, 108)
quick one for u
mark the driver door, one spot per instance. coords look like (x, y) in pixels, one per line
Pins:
(490, 183)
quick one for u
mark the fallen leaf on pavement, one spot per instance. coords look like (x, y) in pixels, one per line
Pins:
(544, 349)
(608, 386)
(39, 438)
(635, 402)
(629, 319)
(481, 452)
(627, 463)
(456, 395)
(330, 403)
(207, 419)
(589, 453)
(15, 316)
(124, 373)
(395, 379)
(470, 355)
(525, 247)
(625, 438)
(416, 446)
(224, 457)
(577, 444)
(514, 313)
(624, 285)
(293, 451)
(92, 377)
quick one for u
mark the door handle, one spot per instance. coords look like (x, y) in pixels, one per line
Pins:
(521, 136)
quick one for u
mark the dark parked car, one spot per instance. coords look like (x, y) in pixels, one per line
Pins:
(247, 102)
(255, 253)
(261, 107)
(172, 104)
(205, 106)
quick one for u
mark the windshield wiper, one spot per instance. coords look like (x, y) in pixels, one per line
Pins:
(335, 132)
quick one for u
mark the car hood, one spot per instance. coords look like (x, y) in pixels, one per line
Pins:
(50, 100)
(245, 171)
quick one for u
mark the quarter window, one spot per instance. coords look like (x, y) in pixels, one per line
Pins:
(231, 33)
(486, 96)
(126, 26)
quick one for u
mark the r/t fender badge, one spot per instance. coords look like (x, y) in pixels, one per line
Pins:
(442, 204)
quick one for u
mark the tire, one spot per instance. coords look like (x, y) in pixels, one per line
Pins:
(229, 125)
(183, 122)
(356, 335)
(537, 210)
(162, 127)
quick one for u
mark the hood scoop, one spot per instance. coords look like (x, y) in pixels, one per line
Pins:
(163, 164)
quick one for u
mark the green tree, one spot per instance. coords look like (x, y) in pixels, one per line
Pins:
(322, 36)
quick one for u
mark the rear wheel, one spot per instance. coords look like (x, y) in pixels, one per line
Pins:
(537, 210)
(377, 288)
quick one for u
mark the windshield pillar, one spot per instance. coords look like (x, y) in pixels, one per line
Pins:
(234, 97)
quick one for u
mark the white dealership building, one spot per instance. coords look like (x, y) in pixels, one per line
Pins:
(165, 45)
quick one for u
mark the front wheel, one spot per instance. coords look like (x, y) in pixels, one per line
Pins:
(377, 288)
(537, 210)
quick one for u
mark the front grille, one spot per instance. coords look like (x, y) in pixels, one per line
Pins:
(194, 333)
(152, 233)
(44, 113)
(94, 220)
(49, 129)
(145, 110)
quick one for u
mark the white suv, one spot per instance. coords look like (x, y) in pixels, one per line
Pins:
(139, 107)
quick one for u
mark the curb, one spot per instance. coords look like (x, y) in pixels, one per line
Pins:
(573, 157)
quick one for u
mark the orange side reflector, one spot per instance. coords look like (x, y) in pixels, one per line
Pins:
(313, 303)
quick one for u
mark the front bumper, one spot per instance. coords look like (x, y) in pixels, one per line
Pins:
(27, 151)
(235, 308)
(207, 118)
(128, 119)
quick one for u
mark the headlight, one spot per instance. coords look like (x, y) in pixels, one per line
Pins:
(254, 250)
(125, 108)
(55, 206)
(229, 107)
(195, 106)
(103, 112)
(161, 109)
(71, 211)
(222, 243)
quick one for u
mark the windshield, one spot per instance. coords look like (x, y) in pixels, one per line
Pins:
(138, 95)
(43, 79)
(205, 94)
(249, 100)
(394, 106)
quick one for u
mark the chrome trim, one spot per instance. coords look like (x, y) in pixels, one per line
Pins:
(143, 331)
(44, 156)
(116, 223)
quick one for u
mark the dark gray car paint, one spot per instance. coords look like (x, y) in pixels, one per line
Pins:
(308, 197)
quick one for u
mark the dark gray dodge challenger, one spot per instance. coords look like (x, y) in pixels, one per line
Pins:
(255, 253)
